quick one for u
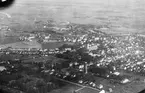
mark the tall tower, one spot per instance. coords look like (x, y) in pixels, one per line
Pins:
(86, 68)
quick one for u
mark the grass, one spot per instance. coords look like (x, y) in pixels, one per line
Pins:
(69, 88)
(22, 45)
(52, 45)
(88, 90)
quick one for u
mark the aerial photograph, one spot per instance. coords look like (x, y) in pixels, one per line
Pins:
(72, 46)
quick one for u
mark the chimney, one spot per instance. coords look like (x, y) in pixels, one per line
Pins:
(86, 68)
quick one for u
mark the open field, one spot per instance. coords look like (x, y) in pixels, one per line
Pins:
(67, 89)
(52, 45)
(32, 44)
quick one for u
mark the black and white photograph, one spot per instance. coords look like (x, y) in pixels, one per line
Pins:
(72, 46)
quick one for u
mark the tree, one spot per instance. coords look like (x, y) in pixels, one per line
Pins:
(98, 71)
(32, 90)
(42, 86)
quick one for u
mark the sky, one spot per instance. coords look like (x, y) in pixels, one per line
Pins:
(126, 14)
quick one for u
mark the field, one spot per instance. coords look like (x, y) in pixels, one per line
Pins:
(32, 44)
(67, 89)
(52, 45)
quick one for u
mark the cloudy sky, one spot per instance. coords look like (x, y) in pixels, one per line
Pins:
(126, 14)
